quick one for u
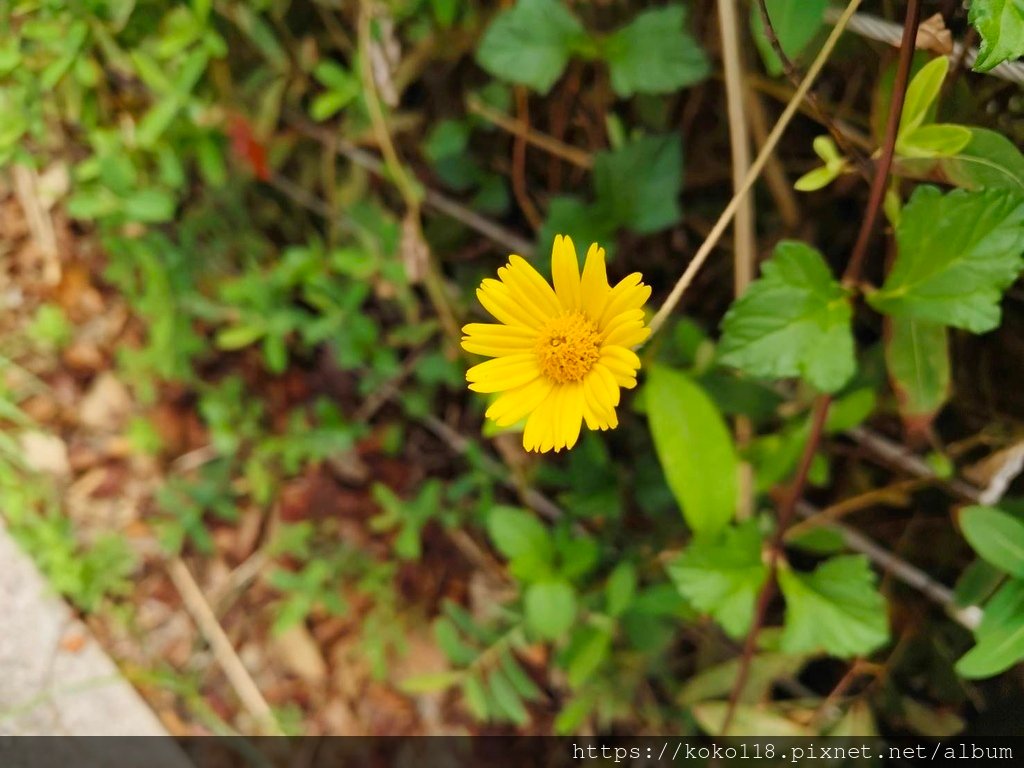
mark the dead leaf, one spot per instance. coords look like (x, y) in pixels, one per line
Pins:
(300, 654)
(932, 35)
(414, 248)
(45, 453)
(994, 473)
(107, 405)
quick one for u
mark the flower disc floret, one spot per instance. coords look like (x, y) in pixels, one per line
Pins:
(568, 347)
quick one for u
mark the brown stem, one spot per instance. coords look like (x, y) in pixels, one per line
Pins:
(821, 405)
(519, 161)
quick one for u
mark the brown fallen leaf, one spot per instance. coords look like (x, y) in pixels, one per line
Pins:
(45, 453)
(300, 654)
(107, 404)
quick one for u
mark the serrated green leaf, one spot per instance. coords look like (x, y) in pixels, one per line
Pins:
(795, 22)
(639, 184)
(957, 253)
(655, 53)
(917, 356)
(722, 575)
(996, 536)
(1001, 26)
(530, 43)
(836, 608)
(694, 447)
(550, 608)
(793, 321)
(583, 222)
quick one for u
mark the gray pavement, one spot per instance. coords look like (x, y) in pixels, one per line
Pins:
(54, 677)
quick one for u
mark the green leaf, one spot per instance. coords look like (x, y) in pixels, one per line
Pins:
(934, 140)
(957, 253)
(921, 95)
(620, 588)
(506, 698)
(586, 652)
(654, 53)
(917, 355)
(550, 608)
(584, 223)
(516, 532)
(521, 681)
(996, 536)
(836, 609)
(694, 447)
(1001, 26)
(722, 575)
(817, 178)
(430, 682)
(989, 161)
(793, 321)
(639, 184)
(476, 698)
(718, 681)
(530, 43)
(448, 639)
(149, 205)
(764, 721)
(240, 336)
(1000, 635)
(448, 138)
(795, 22)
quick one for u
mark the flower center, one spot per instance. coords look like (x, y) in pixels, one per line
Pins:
(568, 347)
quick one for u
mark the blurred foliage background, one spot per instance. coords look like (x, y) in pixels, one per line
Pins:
(239, 238)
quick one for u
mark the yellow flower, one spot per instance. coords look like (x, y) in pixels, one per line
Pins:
(560, 356)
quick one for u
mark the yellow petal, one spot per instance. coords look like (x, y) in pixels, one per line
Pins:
(503, 373)
(628, 294)
(532, 280)
(607, 386)
(596, 403)
(571, 414)
(497, 299)
(526, 294)
(495, 340)
(594, 288)
(623, 363)
(537, 434)
(628, 334)
(519, 403)
(565, 273)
